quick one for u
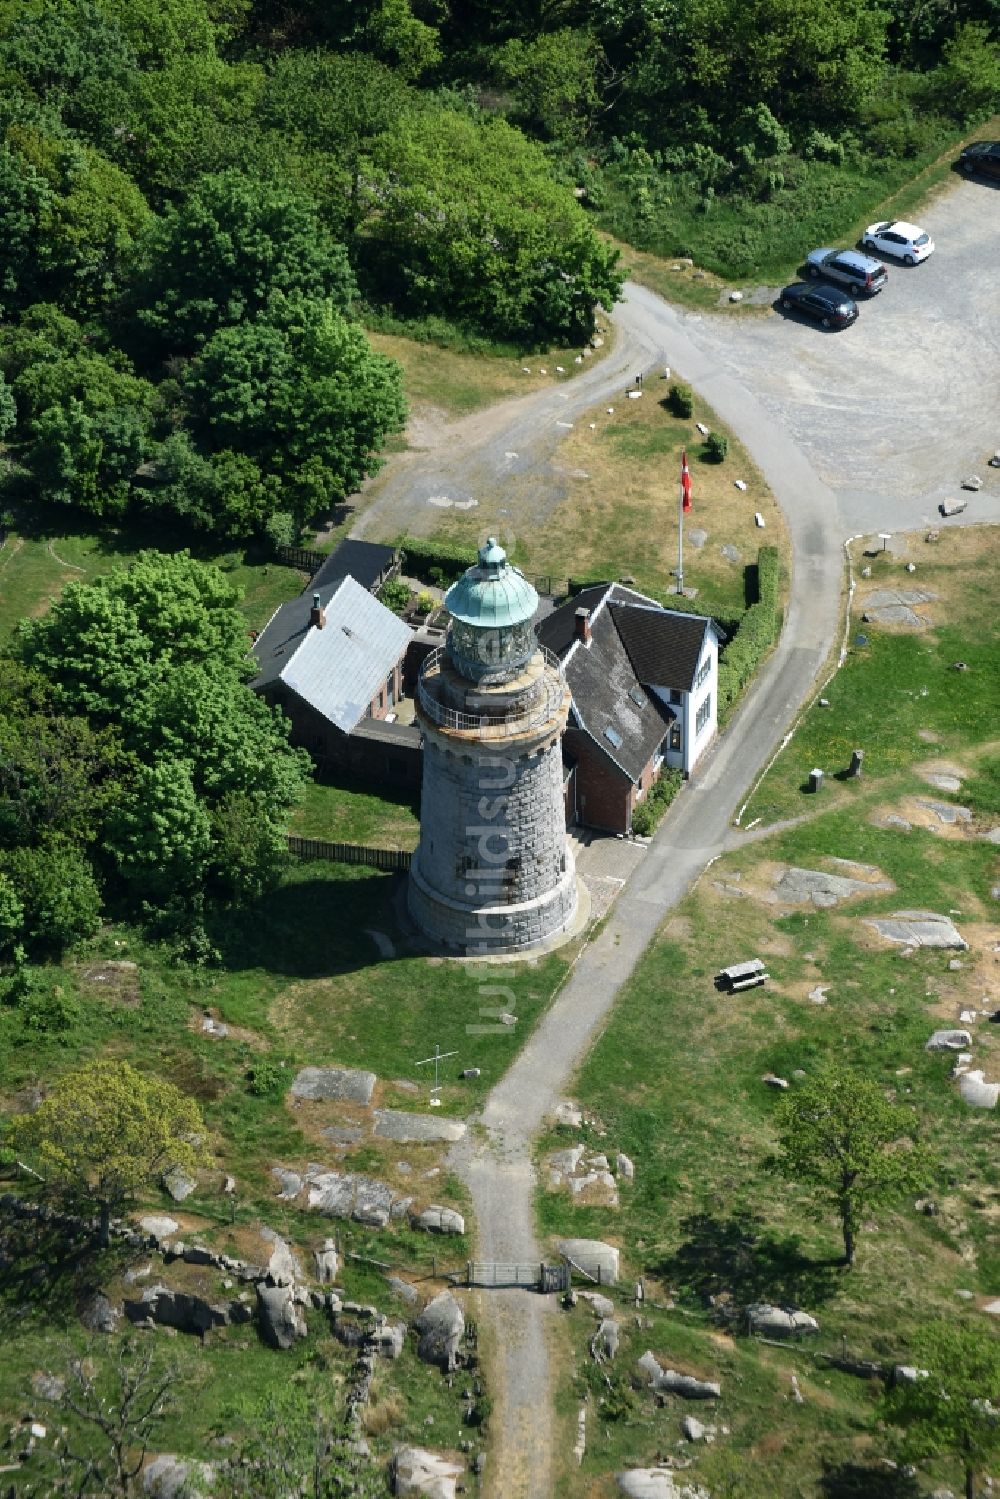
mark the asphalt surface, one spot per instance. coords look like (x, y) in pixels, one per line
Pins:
(856, 432)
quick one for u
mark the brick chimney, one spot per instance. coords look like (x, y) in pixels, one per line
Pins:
(582, 626)
(317, 614)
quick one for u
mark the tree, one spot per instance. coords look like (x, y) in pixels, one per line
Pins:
(88, 460)
(301, 392)
(952, 1408)
(970, 75)
(160, 835)
(469, 223)
(554, 81)
(218, 258)
(58, 775)
(8, 409)
(103, 644)
(58, 894)
(11, 917)
(69, 217)
(106, 1132)
(121, 1402)
(224, 494)
(840, 1133)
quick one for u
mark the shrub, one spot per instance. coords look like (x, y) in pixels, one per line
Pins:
(649, 812)
(48, 1012)
(437, 562)
(425, 603)
(395, 595)
(680, 399)
(642, 820)
(56, 889)
(265, 1079)
(821, 147)
(767, 576)
(716, 446)
(754, 635)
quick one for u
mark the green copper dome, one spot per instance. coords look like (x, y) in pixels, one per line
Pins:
(492, 595)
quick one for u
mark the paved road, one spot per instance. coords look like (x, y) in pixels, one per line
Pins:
(855, 432)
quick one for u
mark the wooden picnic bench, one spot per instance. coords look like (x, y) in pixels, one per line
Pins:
(739, 976)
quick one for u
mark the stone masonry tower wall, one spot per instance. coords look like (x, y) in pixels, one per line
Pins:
(493, 872)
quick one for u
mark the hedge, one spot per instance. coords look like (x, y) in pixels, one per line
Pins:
(420, 555)
(767, 576)
(755, 634)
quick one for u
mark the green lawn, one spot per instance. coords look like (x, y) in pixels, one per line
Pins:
(676, 1081)
(349, 812)
(898, 696)
(35, 569)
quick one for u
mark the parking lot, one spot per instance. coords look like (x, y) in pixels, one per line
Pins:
(906, 402)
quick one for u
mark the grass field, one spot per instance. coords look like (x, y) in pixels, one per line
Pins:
(740, 241)
(302, 979)
(35, 569)
(619, 518)
(452, 382)
(676, 1081)
(352, 813)
(898, 696)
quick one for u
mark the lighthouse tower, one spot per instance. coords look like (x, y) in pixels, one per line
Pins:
(493, 872)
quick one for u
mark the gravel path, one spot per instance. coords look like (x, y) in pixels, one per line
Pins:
(855, 433)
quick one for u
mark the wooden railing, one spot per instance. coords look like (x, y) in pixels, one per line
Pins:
(394, 860)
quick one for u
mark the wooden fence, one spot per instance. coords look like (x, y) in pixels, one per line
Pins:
(310, 562)
(395, 860)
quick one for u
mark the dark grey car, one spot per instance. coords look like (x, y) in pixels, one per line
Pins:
(859, 273)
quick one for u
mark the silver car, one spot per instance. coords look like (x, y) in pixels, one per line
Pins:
(859, 273)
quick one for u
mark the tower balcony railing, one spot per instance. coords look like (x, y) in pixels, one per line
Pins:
(541, 709)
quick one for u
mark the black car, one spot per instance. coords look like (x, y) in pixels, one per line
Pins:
(981, 156)
(825, 303)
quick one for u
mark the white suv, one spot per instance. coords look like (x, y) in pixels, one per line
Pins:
(906, 242)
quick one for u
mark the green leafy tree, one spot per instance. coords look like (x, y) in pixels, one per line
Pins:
(224, 494)
(951, 1408)
(88, 460)
(839, 1133)
(399, 37)
(70, 54)
(306, 397)
(219, 257)
(970, 75)
(554, 80)
(11, 917)
(160, 836)
(56, 889)
(194, 115)
(70, 217)
(8, 409)
(470, 224)
(103, 644)
(107, 1132)
(58, 775)
(328, 111)
(228, 738)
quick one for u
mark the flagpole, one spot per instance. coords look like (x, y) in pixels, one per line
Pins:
(680, 539)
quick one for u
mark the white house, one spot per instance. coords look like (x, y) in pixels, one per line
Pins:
(644, 680)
